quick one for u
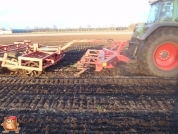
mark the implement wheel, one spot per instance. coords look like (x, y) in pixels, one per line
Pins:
(32, 73)
(158, 55)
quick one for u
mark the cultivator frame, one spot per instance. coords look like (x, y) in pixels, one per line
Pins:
(105, 58)
(33, 58)
(36, 58)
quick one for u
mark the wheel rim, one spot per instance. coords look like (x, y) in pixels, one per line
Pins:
(166, 56)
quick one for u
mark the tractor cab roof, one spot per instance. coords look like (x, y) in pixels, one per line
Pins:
(153, 1)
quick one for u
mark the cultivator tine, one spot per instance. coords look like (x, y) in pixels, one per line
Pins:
(80, 72)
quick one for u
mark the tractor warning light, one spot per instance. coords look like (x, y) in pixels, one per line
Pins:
(104, 64)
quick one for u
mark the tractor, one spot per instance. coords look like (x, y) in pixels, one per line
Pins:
(155, 44)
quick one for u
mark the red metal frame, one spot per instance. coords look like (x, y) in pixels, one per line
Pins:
(14, 47)
(105, 58)
(44, 56)
(49, 55)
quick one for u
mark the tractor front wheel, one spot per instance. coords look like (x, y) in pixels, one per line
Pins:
(158, 55)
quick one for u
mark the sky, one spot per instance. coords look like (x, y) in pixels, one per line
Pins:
(20, 14)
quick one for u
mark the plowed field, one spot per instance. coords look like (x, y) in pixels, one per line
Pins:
(112, 101)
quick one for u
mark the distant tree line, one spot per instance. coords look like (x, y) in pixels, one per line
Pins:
(78, 29)
(55, 29)
(22, 30)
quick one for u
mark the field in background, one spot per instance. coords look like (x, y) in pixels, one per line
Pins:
(67, 33)
(53, 39)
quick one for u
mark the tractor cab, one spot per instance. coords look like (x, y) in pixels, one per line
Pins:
(150, 47)
(163, 11)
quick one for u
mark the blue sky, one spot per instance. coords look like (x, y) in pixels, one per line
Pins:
(71, 13)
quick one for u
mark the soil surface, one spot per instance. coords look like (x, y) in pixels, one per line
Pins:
(118, 100)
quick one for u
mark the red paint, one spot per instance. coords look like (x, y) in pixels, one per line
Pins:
(166, 56)
(11, 117)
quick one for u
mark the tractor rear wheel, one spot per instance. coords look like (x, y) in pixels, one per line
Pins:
(158, 55)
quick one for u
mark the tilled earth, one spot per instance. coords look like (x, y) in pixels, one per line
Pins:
(112, 101)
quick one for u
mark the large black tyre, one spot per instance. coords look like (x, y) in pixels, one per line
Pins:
(158, 54)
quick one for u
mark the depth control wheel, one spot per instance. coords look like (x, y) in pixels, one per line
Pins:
(32, 73)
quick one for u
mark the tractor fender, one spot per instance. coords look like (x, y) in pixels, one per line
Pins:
(149, 29)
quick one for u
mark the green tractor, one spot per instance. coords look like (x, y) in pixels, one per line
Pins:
(155, 43)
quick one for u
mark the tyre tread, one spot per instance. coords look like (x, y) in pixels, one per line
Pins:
(144, 47)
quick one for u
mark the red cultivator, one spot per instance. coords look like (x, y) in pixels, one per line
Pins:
(31, 59)
(105, 58)
(28, 59)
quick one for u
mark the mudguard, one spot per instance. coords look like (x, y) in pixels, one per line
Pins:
(149, 29)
